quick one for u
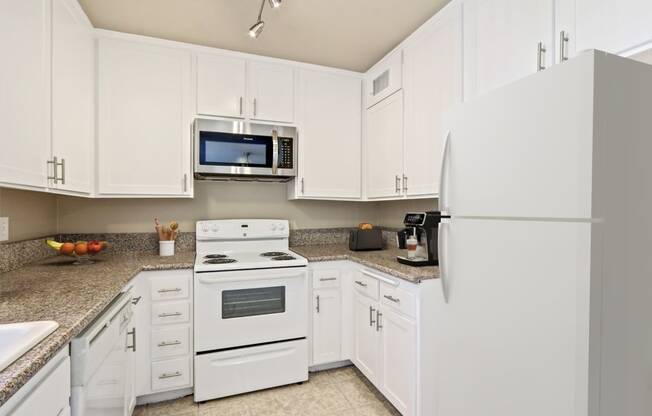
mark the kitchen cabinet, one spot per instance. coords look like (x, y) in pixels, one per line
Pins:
(505, 40)
(73, 99)
(163, 305)
(366, 338)
(25, 85)
(384, 78)
(144, 120)
(430, 91)
(271, 92)
(221, 86)
(327, 326)
(330, 120)
(384, 148)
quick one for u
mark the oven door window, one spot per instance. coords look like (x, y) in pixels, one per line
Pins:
(253, 302)
(227, 149)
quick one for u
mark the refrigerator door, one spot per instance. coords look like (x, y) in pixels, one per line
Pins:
(525, 150)
(513, 337)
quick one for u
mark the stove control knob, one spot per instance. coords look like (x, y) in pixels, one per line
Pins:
(204, 228)
(281, 227)
(215, 228)
(273, 227)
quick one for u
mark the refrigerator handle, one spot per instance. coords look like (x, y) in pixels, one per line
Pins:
(441, 255)
(442, 175)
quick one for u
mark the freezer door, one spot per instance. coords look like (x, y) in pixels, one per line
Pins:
(525, 150)
(513, 337)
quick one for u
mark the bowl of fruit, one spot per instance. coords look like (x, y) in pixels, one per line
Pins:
(82, 251)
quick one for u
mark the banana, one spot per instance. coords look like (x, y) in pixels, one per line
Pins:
(54, 244)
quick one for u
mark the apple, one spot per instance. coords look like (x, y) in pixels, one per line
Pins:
(94, 247)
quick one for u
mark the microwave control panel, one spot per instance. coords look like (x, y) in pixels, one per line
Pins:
(285, 153)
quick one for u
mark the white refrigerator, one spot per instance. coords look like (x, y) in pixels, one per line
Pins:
(546, 261)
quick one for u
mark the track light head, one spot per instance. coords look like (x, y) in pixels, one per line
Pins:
(274, 4)
(256, 29)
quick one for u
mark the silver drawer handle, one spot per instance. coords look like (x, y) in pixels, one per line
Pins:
(176, 289)
(169, 344)
(392, 298)
(360, 283)
(166, 375)
(327, 279)
(165, 315)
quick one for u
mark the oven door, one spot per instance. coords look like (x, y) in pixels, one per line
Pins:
(241, 308)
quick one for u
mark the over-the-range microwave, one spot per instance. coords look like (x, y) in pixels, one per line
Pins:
(229, 149)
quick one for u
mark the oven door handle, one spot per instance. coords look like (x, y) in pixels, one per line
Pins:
(228, 279)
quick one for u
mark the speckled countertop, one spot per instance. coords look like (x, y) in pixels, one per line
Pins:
(383, 260)
(73, 296)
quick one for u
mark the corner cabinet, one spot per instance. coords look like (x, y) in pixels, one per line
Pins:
(330, 120)
(144, 120)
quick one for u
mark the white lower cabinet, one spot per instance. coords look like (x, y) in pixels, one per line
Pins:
(366, 351)
(327, 326)
(163, 331)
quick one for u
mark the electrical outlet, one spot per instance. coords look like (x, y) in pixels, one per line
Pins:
(4, 228)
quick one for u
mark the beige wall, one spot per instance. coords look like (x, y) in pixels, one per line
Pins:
(31, 214)
(391, 213)
(213, 200)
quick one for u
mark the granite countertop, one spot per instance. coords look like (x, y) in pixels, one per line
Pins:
(383, 260)
(73, 296)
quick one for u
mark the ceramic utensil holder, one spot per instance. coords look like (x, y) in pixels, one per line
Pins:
(166, 248)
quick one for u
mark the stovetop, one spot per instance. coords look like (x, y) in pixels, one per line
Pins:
(247, 260)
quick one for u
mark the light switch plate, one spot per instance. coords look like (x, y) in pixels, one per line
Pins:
(4, 228)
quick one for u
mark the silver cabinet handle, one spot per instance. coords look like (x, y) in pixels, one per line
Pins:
(168, 375)
(379, 326)
(383, 279)
(397, 180)
(169, 344)
(359, 283)
(185, 182)
(303, 186)
(135, 301)
(240, 105)
(52, 162)
(392, 298)
(255, 108)
(166, 315)
(133, 339)
(405, 185)
(55, 170)
(563, 46)
(63, 171)
(327, 279)
(541, 57)
(317, 304)
(371, 316)
(176, 289)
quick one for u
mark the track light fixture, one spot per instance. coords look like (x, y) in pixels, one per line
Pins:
(257, 28)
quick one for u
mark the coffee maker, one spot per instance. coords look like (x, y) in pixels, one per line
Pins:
(424, 226)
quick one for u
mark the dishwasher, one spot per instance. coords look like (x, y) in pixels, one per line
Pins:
(102, 362)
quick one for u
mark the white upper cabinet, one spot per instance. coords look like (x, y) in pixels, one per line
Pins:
(271, 92)
(506, 40)
(221, 83)
(384, 78)
(384, 148)
(616, 26)
(73, 105)
(144, 120)
(432, 87)
(330, 135)
(25, 92)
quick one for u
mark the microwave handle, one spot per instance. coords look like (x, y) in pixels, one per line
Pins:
(274, 151)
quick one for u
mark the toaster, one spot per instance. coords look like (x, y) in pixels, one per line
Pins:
(360, 240)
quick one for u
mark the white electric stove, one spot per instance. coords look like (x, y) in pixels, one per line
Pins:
(250, 308)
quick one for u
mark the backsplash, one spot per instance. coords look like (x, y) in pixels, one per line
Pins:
(17, 254)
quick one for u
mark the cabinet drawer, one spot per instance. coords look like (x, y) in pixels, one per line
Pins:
(170, 313)
(168, 288)
(398, 299)
(168, 342)
(323, 279)
(366, 285)
(171, 374)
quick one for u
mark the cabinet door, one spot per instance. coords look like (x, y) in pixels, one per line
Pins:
(327, 327)
(25, 92)
(384, 78)
(144, 120)
(331, 112)
(398, 351)
(73, 107)
(615, 26)
(221, 84)
(384, 148)
(271, 92)
(501, 41)
(142, 319)
(431, 90)
(130, 368)
(366, 339)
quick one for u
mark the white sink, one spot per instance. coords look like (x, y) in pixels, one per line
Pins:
(16, 339)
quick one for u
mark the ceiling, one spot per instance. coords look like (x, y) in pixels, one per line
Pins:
(349, 34)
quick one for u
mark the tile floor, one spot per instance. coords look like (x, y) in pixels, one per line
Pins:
(339, 392)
